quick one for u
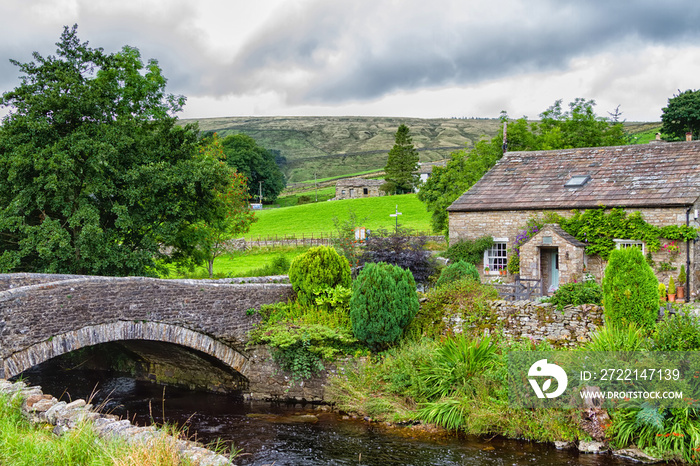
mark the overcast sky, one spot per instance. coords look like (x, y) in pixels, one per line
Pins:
(411, 58)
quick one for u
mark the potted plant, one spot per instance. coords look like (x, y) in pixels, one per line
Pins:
(671, 290)
(680, 289)
(486, 270)
(662, 293)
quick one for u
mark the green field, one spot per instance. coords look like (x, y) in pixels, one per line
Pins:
(240, 264)
(317, 218)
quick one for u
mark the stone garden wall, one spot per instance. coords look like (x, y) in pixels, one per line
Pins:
(542, 321)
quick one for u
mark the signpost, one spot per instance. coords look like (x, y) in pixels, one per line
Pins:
(397, 217)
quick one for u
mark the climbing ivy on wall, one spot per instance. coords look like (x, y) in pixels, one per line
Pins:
(598, 228)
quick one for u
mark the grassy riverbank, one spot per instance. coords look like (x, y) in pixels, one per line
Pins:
(23, 443)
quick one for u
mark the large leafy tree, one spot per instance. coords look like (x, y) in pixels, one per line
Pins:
(212, 238)
(256, 163)
(682, 115)
(95, 176)
(558, 129)
(402, 164)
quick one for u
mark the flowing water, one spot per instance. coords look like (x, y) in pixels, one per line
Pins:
(281, 434)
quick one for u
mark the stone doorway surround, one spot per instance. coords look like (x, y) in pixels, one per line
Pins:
(535, 261)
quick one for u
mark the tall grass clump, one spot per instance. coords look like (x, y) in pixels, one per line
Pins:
(612, 337)
(24, 443)
(630, 289)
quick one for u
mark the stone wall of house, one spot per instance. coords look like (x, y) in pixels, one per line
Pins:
(533, 264)
(539, 321)
(355, 188)
(507, 224)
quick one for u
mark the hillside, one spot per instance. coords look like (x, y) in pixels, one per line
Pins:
(338, 146)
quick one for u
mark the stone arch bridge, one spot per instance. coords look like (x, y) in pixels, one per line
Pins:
(43, 316)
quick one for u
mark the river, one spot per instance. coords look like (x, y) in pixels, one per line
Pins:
(281, 434)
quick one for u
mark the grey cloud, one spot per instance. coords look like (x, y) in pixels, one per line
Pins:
(422, 53)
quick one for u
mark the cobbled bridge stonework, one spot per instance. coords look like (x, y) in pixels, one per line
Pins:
(43, 316)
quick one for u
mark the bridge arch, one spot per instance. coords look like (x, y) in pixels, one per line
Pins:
(119, 331)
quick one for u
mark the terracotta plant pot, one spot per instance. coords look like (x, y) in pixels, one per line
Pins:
(680, 292)
(672, 297)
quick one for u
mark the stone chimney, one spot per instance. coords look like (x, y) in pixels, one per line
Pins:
(688, 136)
(658, 136)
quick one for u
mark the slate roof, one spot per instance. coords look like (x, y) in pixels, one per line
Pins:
(643, 175)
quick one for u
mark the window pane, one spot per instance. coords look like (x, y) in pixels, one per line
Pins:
(497, 258)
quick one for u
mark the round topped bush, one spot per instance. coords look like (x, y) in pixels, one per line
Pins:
(316, 270)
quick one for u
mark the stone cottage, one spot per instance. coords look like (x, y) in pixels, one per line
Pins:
(659, 180)
(352, 188)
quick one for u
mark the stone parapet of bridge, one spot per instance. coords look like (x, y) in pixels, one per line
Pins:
(44, 315)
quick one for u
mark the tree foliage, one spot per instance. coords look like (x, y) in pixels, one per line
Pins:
(256, 163)
(317, 270)
(401, 165)
(211, 239)
(558, 129)
(383, 303)
(95, 176)
(681, 115)
(402, 249)
(630, 290)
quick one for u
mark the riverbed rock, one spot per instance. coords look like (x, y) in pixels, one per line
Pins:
(592, 447)
(636, 454)
(561, 445)
(40, 408)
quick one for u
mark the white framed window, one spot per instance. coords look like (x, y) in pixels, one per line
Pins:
(629, 243)
(495, 257)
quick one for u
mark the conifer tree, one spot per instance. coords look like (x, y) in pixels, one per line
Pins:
(401, 166)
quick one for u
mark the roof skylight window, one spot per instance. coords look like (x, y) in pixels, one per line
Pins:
(577, 181)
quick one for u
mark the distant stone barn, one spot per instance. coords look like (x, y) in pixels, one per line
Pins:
(659, 180)
(352, 188)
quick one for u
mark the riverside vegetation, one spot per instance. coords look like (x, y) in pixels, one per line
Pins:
(404, 364)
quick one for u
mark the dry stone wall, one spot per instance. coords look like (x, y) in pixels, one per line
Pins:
(539, 321)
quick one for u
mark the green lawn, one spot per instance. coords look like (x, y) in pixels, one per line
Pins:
(317, 218)
(241, 264)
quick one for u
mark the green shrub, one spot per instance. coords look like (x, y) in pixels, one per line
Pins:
(680, 332)
(457, 271)
(316, 270)
(662, 292)
(671, 286)
(466, 299)
(383, 303)
(467, 250)
(588, 292)
(630, 289)
(681, 276)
